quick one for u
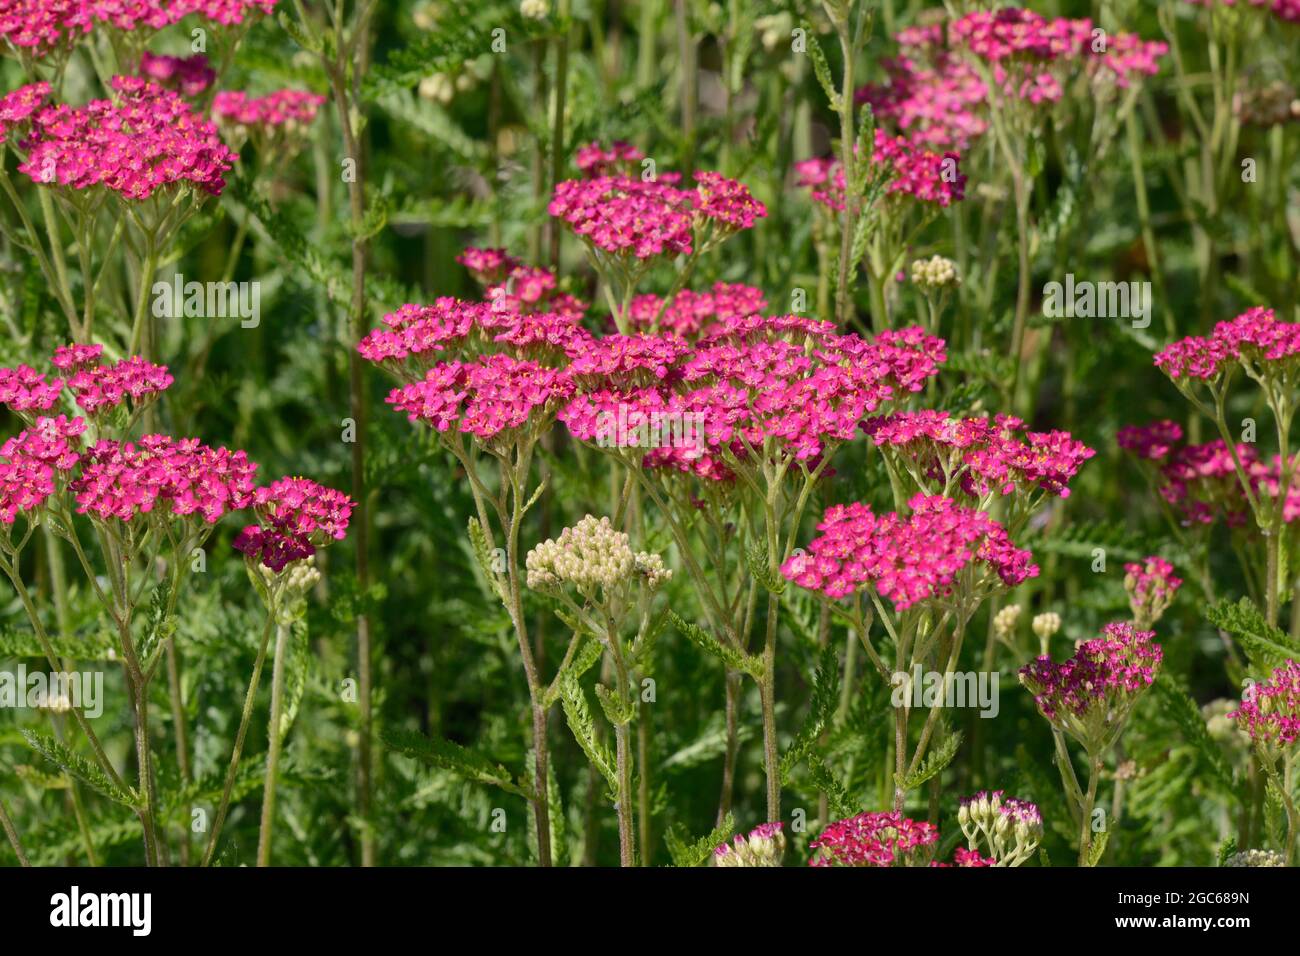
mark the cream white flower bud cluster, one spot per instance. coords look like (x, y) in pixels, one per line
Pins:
(1255, 858)
(765, 846)
(935, 273)
(1010, 829)
(302, 577)
(534, 9)
(589, 555)
(652, 569)
(1004, 623)
(295, 582)
(1045, 625)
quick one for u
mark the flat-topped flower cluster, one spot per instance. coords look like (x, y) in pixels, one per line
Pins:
(91, 466)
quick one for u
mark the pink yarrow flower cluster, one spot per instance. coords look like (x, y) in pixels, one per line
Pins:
(418, 336)
(16, 108)
(936, 97)
(625, 216)
(786, 387)
(33, 461)
(283, 108)
(1202, 482)
(873, 839)
(511, 286)
(188, 75)
(490, 398)
(121, 480)
(596, 160)
(296, 516)
(691, 313)
(41, 25)
(908, 558)
(1091, 694)
(99, 387)
(911, 170)
(1255, 337)
(143, 140)
(1270, 710)
(1011, 35)
(1151, 442)
(23, 389)
(981, 456)
(1151, 585)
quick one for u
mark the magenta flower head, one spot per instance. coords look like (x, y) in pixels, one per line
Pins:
(690, 314)
(1288, 10)
(1254, 340)
(634, 219)
(34, 464)
(628, 218)
(874, 839)
(596, 160)
(1270, 710)
(1091, 695)
(23, 389)
(967, 859)
(909, 558)
(122, 481)
(488, 266)
(296, 516)
(277, 121)
(16, 108)
(982, 457)
(1151, 586)
(40, 27)
(70, 359)
(1151, 442)
(765, 846)
(907, 170)
(98, 388)
(143, 140)
(187, 75)
(493, 399)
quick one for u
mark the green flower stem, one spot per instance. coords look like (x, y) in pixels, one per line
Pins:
(557, 120)
(12, 834)
(623, 752)
(58, 285)
(346, 71)
(1288, 801)
(141, 324)
(283, 632)
(245, 718)
(1085, 821)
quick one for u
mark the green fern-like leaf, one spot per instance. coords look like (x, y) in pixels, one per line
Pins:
(1266, 646)
(453, 757)
(934, 763)
(1179, 705)
(693, 854)
(825, 698)
(77, 766)
(734, 658)
(578, 715)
